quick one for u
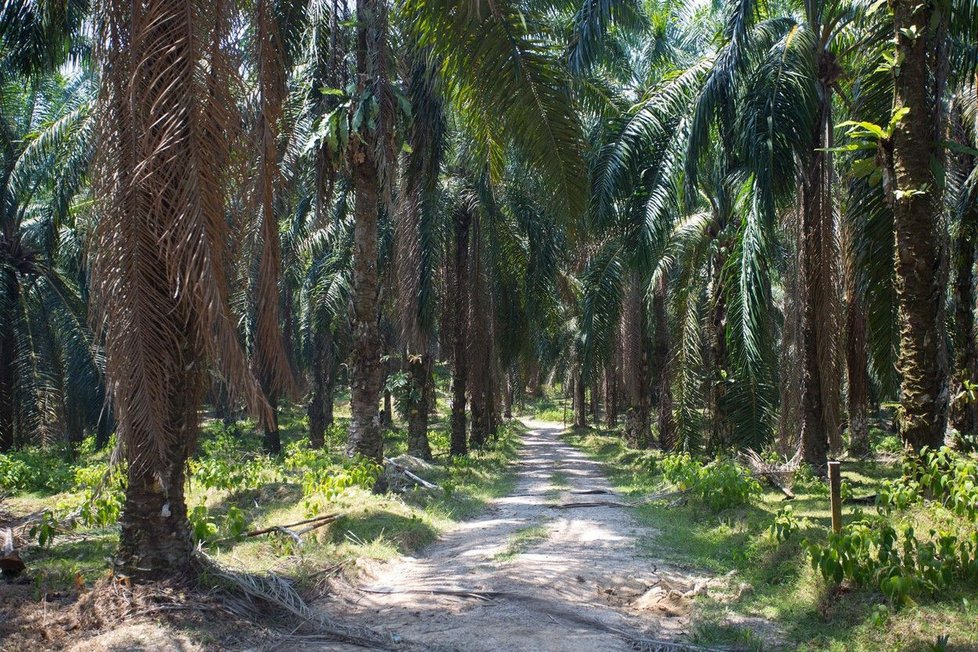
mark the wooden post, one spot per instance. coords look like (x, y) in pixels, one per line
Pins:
(835, 491)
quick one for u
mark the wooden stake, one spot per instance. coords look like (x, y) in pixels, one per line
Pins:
(835, 494)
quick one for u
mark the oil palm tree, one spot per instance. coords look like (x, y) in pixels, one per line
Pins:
(165, 132)
(50, 379)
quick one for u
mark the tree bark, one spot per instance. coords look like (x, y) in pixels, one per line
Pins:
(594, 396)
(611, 382)
(661, 389)
(635, 358)
(155, 541)
(366, 379)
(964, 410)
(580, 398)
(460, 313)
(508, 391)
(820, 380)
(323, 383)
(856, 367)
(479, 343)
(921, 259)
(8, 358)
(719, 359)
(418, 369)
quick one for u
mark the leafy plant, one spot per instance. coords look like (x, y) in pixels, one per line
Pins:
(785, 525)
(721, 484)
(875, 554)
(203, 527)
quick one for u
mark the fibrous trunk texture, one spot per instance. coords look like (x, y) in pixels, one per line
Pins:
(612, 382)
(8, 357)
(635, 356)
(460, 314)
(419, 389)
(580, 398)
(323, 384)
(270, 356)
(661, 387)
(479, 342)
(921, 258)
(165, 118)
(369, 177)
(964, 410)
(857, 361)
(718, 362)
(155, 540)
(820, 379)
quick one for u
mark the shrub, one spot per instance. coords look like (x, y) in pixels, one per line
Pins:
(785, 525)
(320, 485)
(35, 470)
(234, 475)
(876, 555)
(721, 484)
(942, 475)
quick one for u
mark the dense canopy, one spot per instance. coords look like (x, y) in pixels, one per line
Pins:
(710, 229)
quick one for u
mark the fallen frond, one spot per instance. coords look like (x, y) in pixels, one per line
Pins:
(276, 590)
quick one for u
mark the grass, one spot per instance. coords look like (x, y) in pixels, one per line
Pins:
(546, 408)
(521, 541)
(370, 525)
(774, 580)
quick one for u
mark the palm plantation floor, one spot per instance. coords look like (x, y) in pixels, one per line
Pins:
(529, 575)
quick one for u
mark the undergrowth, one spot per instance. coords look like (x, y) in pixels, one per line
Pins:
(770, 548)
(233, 489)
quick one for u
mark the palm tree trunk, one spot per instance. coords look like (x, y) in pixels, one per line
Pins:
(323, 381)
(104, 428)
(611, 382)
(8, 358)
(365, 370)
(856, 367)
(857, 358)
(963, 410)
(155, 540)
(508, 391)
(480, 343)
(661, 391)
(460, 314)
(820, 395)
(718, 363)
(595, 403)
(419, 387)
(635, 357)
(580, 399)
(534, 383)
(921, 259)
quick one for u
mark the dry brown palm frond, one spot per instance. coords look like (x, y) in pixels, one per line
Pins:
(273, 589)
(167, 124)
(271, 359)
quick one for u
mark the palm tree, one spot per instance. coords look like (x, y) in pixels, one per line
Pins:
(165, 126)
(50, 381)
(921, 258)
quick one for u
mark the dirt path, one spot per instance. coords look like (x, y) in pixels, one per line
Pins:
(530, 577)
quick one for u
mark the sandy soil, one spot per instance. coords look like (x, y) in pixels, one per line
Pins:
(528, 576)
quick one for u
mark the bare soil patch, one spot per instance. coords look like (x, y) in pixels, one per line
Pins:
(525, 576)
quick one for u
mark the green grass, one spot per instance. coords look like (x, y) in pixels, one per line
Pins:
(546, 408)
(370, 525)
(521, 541)
(774, 580)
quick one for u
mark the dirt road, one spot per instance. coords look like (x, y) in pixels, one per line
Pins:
(530, 576)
